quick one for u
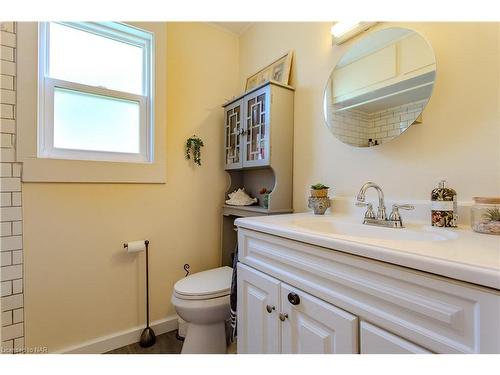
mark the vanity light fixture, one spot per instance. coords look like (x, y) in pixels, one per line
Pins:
(345, 30)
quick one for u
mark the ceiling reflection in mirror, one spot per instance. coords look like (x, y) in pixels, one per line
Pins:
(379, 87)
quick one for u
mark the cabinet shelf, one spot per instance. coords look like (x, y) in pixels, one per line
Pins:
(255, 210)
(403, 92)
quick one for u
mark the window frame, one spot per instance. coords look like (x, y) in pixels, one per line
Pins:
(46, 86)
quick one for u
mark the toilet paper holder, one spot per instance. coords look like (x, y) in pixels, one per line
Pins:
(148, 337)
(146, 243)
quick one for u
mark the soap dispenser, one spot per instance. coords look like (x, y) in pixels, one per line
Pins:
(444, 206)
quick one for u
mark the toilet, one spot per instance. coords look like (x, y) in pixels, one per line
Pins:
(202, 300)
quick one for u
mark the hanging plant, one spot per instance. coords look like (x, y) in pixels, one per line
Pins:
(193, 149)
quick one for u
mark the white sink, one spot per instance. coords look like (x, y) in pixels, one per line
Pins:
(456, 253)
(329, 226)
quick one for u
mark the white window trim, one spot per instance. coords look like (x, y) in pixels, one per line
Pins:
(46, 86)
(37, 169)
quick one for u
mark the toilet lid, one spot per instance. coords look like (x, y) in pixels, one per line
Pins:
(207, 284)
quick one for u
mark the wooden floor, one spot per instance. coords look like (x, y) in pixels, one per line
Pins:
(166, 343)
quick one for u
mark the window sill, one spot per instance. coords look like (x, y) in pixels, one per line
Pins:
(82, 171)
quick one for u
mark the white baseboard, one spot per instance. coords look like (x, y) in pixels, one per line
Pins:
(117, 340)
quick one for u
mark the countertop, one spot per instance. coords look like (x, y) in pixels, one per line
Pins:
(466, 255)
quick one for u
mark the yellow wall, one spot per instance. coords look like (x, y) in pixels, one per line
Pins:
(79, 282)
(459, 137)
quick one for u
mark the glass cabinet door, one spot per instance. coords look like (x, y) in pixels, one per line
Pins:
(233, 129)
(256, 134)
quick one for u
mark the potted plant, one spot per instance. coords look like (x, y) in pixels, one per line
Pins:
(193, 149)
(265, 197)
(319, 190)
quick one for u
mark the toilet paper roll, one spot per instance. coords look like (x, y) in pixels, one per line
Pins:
(135, 246)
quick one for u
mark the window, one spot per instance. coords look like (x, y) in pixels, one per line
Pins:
(95, 90)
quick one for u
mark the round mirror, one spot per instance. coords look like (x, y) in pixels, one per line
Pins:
(380, 87)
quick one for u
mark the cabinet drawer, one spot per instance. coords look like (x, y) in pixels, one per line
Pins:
(441, 315)
(374, 340)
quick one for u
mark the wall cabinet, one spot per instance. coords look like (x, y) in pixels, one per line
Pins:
(256, 121)
(258, 154)
(233, 130)
(406, 64)
(394, 309)
(274, 317)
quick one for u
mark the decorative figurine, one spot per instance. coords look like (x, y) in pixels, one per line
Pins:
(240, 198)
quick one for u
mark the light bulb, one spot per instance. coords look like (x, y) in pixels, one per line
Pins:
(341, 28)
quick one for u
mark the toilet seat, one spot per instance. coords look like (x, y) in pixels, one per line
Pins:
(205, 285)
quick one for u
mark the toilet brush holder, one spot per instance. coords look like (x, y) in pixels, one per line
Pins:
(148, 337)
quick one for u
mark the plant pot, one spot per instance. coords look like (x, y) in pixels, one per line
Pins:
(319, 204)
(488, 227)
(319, 193)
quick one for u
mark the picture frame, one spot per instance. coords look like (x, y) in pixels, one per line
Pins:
(277, 71)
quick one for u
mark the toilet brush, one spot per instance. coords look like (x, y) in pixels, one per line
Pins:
(148, 337)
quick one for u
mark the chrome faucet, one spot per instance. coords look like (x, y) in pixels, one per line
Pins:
(381, 214)
(394, 220)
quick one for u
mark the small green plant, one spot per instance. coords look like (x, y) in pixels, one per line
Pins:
(319, 187)
(492, 214)
(193, 147)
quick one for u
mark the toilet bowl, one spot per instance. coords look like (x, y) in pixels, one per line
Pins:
(202, 300)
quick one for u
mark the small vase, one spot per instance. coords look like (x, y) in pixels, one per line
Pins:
(319, 204)
(265, 200)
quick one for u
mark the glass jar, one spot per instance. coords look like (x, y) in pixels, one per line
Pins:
(485, 215)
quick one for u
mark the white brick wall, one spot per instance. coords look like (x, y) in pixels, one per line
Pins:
(11, 241)
(393, 121)
(356, 127)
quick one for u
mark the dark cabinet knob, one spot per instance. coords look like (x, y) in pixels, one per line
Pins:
(293, 298)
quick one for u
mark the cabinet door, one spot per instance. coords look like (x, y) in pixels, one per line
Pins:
(374, 340)
(258, 306)
(415, 56)
(314, 326)
(256, 134)
(233, 130)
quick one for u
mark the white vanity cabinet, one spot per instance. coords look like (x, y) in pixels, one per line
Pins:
(258, 306)
(394, 309)
(274, 317)
(312, 326)
(374, 340)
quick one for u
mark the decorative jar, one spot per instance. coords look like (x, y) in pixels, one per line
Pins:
(485, 215)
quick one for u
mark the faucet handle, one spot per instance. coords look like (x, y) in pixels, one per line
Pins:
(369, 214)
(403, 206)
(395, 210)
